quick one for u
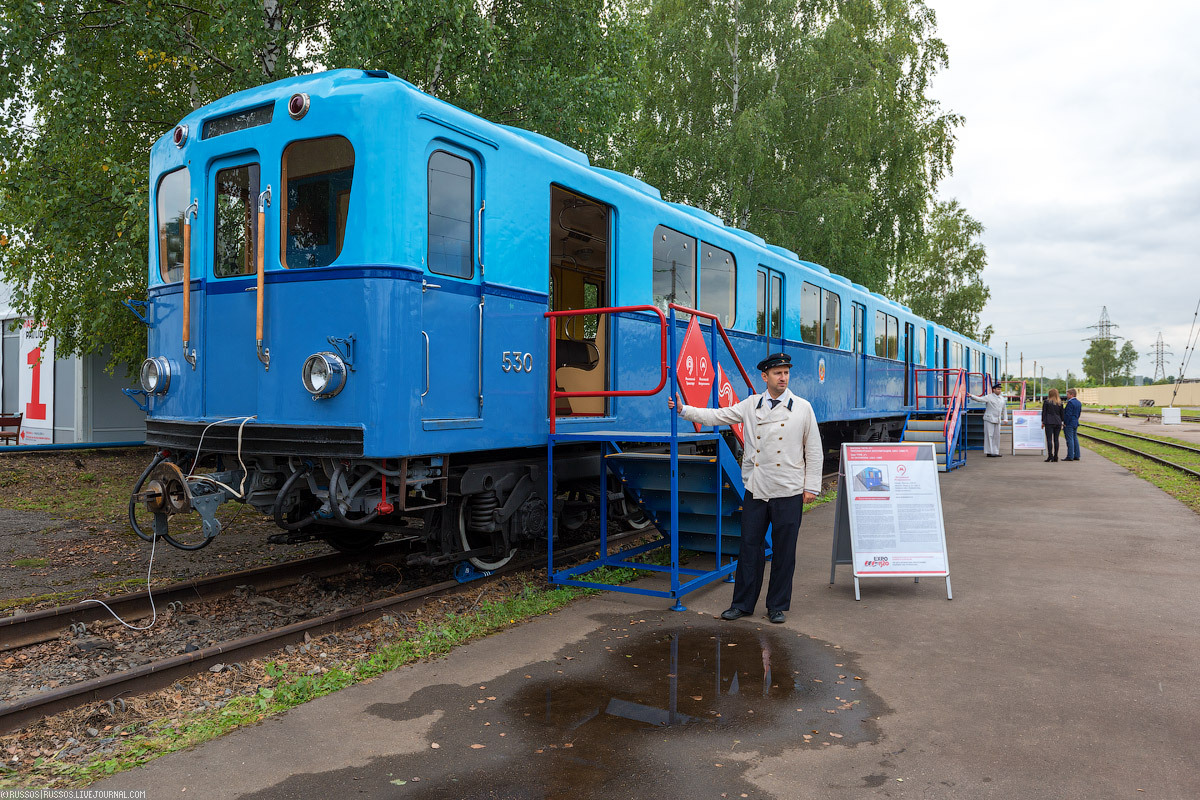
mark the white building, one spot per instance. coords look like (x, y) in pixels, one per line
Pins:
(62, 400)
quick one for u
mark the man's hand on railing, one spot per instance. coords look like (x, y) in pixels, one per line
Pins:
(672, 400)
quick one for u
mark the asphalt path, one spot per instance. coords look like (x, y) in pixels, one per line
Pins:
(1063, 668)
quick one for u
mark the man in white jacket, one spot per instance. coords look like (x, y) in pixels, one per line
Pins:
(993, 415)
(781, 470)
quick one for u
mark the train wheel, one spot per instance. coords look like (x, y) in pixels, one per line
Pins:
(627, 512)
(496, 561)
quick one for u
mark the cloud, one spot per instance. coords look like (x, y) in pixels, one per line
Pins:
(1079, 156)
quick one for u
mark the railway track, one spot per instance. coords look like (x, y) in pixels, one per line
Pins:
(1182, 448)
(162, 672)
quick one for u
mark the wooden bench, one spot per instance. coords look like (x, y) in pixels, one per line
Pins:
(10, 421)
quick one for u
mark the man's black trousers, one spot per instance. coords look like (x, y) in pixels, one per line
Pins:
(783, 515)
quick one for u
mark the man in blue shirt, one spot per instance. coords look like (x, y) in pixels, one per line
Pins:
(1071, 413)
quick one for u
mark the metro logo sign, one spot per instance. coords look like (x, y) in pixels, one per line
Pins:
(694, 369)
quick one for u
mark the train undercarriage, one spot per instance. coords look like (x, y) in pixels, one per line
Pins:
(479, 508)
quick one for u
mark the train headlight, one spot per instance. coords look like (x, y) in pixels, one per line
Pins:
(180, 135)
(324, 374)
(156, 375)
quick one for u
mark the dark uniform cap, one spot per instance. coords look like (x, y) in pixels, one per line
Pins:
(776, 360)
(997, 385)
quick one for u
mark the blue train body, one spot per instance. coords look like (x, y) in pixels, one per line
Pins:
(410, 251)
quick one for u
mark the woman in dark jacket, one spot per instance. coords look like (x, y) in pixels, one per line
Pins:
(1052, 421)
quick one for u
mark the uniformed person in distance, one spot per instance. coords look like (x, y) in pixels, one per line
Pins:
(781, 469)
(993, 415)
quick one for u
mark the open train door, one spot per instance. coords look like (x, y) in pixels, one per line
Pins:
(579, 278)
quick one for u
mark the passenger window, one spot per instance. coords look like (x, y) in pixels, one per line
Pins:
(317, 174)
(833, 319)
(674, 269)
(451, 182)
(881, 334)
(718, 283)
(171, 203)
(810, 313)
(859, 333)
(236, 230)
(893, 335)
(920, 354)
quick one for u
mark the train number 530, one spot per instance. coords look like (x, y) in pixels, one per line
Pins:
(515, 361)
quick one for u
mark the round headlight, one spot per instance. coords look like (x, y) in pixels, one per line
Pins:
(156, 375)
(180, 135)
(298, 105)
(324, 374)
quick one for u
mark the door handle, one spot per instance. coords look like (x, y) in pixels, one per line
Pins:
(426, 335)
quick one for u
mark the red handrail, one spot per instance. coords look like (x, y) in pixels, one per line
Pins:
(958, 399)
(721, 330)
(584, 312)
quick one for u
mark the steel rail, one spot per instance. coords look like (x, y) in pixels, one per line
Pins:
(1143, 438)
(1141, 453)
(157, 674)
(23, 630)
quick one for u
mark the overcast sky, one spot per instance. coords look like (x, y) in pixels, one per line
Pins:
(1081, 157)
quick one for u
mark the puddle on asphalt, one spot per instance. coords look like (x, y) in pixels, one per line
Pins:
(638, 702)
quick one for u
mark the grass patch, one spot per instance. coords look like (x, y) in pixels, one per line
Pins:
(1183, 487)
(31, 563)
(83, 485)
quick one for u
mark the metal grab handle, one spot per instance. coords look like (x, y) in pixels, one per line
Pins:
(264, 354)
(480, 382)
(479, 237)
(189, 212)
(426, 335)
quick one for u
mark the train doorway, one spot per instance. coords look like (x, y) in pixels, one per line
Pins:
(770, 309)
(451, 303)
(860, 357)
(908, 363)
(579, 278)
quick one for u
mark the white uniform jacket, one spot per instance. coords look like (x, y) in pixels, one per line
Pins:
(783, 454)
(995, 406)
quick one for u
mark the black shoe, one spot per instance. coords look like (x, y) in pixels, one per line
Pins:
(990, 455)
(1054, 459)
(775, 616)
(733, 613)
(1049, 459)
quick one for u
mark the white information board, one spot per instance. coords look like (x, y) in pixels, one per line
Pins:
(36, 386)
(1172, 416)
(890, 509)
(1027, 430)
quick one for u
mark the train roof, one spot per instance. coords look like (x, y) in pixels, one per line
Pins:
(340, 81)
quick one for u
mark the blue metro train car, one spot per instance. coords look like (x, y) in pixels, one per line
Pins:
(347, 293)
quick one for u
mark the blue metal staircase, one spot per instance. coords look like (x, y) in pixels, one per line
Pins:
(688, 483)
(940, 418)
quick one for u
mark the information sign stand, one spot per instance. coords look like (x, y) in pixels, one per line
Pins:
(1172, 416)
(888, 522)
(1027, 433)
